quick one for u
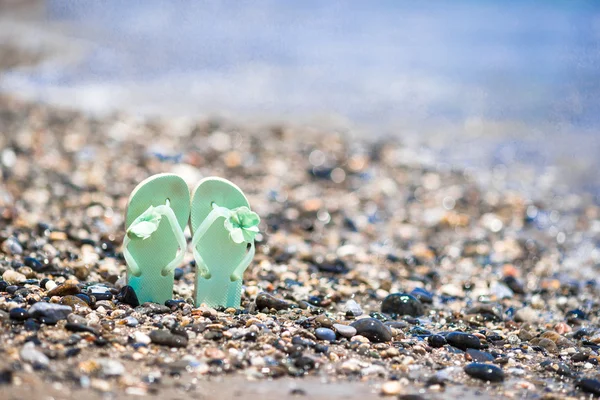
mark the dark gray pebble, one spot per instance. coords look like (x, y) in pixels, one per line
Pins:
(423, 295)
(265, 300)
(164, 337)
(479, 356)
(127, 295)
(372, 329)
(19, 314)
(463, 341)
(402, 304)
(589, 386)
(152, 309)
(436, 341)
(49, 313)
(485, 372)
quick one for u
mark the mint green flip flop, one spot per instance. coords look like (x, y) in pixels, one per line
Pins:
(154, 245)
(223, 229)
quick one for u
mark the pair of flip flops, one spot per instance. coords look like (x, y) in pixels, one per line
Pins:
(223, 229)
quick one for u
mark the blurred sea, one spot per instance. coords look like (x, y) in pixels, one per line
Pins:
(509, 87)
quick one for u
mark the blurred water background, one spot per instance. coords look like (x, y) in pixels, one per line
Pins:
(507, 88)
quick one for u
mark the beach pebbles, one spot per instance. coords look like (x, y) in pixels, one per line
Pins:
(402, 304)
(372, 329)
(485, 372)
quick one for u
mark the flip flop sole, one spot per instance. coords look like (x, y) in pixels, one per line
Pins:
(155, 252)
(219, 252)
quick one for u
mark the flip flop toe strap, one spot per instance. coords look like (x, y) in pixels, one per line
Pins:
(242, 225)
(143, 227)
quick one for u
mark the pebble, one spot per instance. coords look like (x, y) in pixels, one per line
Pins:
(164, 337)
(485, 372)
(422, 295)
(372, 329)
(12, 276)
(391, 388)
(11, 246)
(19, 314)
(127, 295)
(346, 331)
(100, 292)
(324, 321)
(110, 367)
(353, 307)
(33, 356)
(548, 345)
(131, 321)
(463, 341)
(265, 300)
(589, 386)
(437, 341)
(76, 319)
(49, 312)
(152, 309)
(325, 334)
(74, 302)
(478, 356)
(402, 304)
(141, 337)
(64, 290)
(526, 314)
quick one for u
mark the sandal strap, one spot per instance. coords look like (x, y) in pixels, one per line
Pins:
(159, 212)
(216, 213)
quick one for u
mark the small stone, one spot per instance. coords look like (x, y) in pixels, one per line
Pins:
(437, 341)
(141, 337)
(6, 377)
(75, 327)
(548, 345)
(50, 285)
(214, 353)
(131, 321)
(64, 290)
(372, 329)
(478, 356)
(13, 277)
(325, 334)
(346, 331)
(100, 292)
(391, 388)
(166, 338)
(49, 313)
(422, 295)
(11, 246)
(485, 372)
(526, 314)
(74, 302)
(525, 335)
(402, 304)
(19, 314)
(463, 341)
(265, 300)
(76, 319)
(109, 367)
(324, 321)
(152, 309)
(33, 356)
(559, 368)
(589, 386)
(127, 295)
(353, 307)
